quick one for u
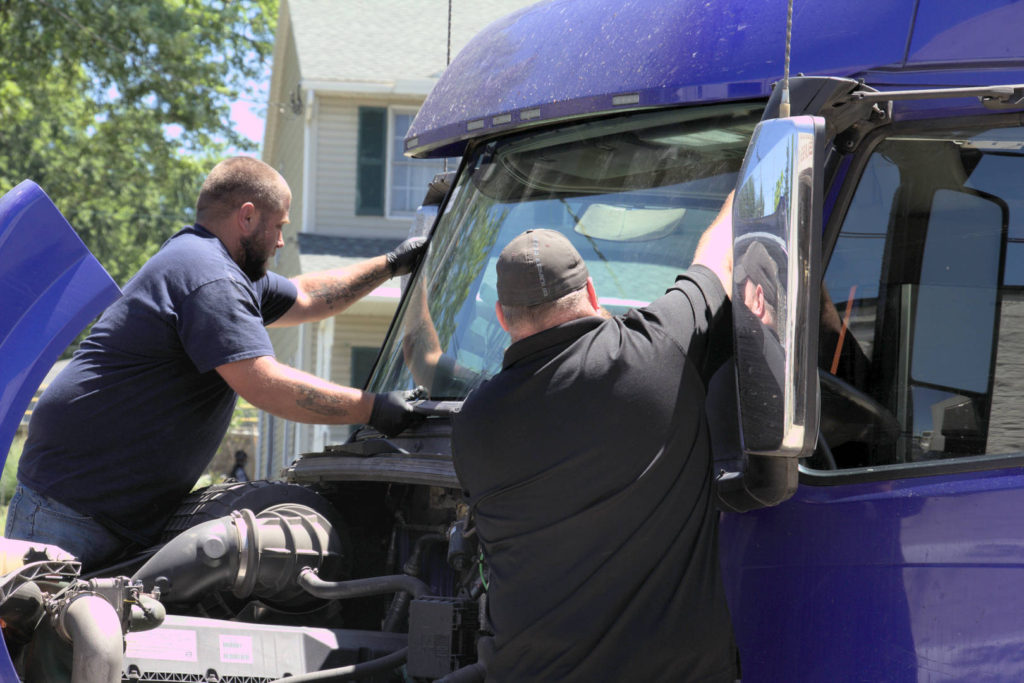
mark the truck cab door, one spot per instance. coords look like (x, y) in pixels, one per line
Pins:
(901, 555)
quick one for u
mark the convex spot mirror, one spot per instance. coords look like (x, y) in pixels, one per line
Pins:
(776, 266)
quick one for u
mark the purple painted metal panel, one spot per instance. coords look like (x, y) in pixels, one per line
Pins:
(52, 287)
(912, 580)
(566, 58)
(955, 32)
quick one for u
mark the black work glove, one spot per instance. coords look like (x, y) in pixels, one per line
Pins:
(406, 255)
(392, 411)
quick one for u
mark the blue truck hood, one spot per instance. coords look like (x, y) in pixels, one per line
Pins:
(52, 287)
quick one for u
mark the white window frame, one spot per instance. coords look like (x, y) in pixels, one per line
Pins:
(389, 211)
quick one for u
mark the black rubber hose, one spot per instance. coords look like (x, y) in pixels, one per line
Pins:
(360, 588)
(396, 613)
(347, 673)
(399, 608)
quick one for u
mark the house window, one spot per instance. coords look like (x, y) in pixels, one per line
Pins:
(387, 182)
(408, 178)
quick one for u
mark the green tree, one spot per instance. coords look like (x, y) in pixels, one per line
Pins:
(117, 109)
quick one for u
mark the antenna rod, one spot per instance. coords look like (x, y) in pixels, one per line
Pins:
(447, 61)
(784, 103)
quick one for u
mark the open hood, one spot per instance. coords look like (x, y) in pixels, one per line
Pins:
(51, 288)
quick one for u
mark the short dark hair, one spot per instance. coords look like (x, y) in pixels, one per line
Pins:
(241, 179)
(538, 315)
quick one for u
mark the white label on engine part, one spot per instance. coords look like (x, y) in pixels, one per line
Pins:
(169, 644)
(236, 649)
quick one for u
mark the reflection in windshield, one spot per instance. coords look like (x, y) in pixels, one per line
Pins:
(633, 194)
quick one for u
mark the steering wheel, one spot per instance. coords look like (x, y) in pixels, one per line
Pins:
(848, 415)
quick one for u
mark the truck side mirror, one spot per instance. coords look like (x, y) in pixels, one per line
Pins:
(776, 278)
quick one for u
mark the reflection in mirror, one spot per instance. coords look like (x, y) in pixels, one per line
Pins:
(775, 245)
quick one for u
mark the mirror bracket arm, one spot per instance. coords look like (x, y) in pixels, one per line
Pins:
(850, 108)
(765, 481)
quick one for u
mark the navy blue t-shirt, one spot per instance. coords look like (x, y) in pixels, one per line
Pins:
(126, 429)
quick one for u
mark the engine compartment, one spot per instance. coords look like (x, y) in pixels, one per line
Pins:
(360, 563)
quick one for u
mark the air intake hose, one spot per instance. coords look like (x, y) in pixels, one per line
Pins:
(251, 555)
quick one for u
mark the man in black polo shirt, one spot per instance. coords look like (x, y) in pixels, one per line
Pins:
(588, 466)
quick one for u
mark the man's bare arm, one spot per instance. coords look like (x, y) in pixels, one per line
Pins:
(714, 250)
(329, 292)
(296, 395)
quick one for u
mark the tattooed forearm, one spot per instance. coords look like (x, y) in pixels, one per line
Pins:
(321, 403)
(340, 292)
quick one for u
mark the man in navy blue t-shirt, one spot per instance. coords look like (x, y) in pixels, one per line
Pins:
(124, 432)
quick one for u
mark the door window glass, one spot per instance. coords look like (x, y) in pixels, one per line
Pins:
(921, 305)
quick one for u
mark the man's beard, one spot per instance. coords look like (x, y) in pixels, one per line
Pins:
(254, 259)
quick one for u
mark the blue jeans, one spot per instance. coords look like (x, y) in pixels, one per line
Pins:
(35, 517)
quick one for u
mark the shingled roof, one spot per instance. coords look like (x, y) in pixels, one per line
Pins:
(380, 41)
(322, 252)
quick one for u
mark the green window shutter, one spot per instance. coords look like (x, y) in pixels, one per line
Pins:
(370, 159)
(363, 358)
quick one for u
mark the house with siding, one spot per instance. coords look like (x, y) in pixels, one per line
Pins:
(348, 77)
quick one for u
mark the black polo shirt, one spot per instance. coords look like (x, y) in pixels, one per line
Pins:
(588, 464)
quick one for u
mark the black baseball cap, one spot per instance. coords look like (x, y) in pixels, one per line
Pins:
(539, 266)
(759, 267)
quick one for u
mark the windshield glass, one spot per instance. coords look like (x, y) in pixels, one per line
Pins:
(632, 193)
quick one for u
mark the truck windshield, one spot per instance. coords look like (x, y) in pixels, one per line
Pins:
(632, 193)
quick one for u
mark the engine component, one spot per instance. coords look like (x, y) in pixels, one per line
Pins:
(352, 671)
(200, 649)
(218, 500)
(394, 619)
(251, 555)
(442, 636)
(73, 628)
(360, 588)
(20, 613)
(94, 629)
(460, 549)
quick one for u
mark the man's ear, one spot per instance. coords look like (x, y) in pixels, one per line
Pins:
(501, 316)
(758, 301)
(247, 218)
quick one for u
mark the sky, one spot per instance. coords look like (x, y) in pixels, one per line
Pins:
(247, 117)
(248, 112)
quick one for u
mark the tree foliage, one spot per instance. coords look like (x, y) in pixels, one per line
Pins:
(118, 108)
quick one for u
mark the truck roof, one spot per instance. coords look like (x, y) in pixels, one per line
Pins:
(562, 59)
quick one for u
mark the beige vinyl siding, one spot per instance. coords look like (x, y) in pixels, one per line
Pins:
(272, 442)
(303, 438)
(287, 155)
(350, 331)
(337, 132)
